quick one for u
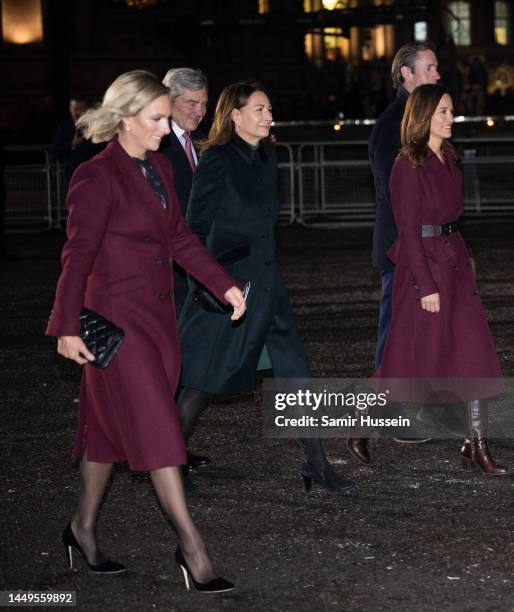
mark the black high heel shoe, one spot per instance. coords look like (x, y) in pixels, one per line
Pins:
(70, 544)
(325, 477)
(218, 585)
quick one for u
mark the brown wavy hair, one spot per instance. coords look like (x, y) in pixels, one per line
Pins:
(233, 96)
(415, 128)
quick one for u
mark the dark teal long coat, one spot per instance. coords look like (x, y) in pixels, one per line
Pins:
(233, 209)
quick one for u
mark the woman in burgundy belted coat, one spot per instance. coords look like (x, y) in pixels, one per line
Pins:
(125, 229)
(439, 345)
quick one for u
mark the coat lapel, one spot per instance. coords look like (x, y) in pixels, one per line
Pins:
(179, 155)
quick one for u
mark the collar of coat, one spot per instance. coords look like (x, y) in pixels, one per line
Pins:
(402, 95)
(123, 160)
(247, 152)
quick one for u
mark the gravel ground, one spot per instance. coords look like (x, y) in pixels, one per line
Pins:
(417, 534)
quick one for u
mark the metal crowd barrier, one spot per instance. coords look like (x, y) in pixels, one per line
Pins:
(28, 205)
(335, 192)
(36, 192)
(319, 185)
(286, 184)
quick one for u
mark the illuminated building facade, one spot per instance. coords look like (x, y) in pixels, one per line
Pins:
(308, 52)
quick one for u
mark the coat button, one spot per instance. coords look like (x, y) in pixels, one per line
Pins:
(265, 236)
(162, 296)
(446, 242)
(267, 289)
(146, 238)
(158, 262)
(267, 262)
(455, 268)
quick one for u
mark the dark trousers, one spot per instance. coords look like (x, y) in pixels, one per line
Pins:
(384, 315)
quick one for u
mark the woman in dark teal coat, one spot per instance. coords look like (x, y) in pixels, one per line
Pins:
(233, 208)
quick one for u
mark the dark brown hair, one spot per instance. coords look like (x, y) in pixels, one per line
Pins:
(233, 96)
(407, 56)
(415, 129)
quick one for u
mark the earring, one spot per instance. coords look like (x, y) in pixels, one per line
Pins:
(127, 127)
(238, 127)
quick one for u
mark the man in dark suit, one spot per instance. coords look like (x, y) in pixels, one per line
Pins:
(188, 97)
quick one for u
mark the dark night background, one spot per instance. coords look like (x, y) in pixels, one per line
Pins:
(316, 62)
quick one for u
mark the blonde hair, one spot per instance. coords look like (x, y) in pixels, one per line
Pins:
(125, 97)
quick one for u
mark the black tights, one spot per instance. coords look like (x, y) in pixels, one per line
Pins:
(192, 403)
(168, 485)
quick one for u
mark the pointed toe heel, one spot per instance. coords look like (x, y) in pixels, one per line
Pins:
(217, 585)
(71, 544)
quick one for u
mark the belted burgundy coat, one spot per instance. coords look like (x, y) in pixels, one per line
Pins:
(118, 261)
(456, 342)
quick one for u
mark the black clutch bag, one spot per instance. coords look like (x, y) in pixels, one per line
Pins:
(101, 336)
(212, 304)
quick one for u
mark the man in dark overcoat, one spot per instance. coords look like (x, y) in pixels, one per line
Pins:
(414, 64)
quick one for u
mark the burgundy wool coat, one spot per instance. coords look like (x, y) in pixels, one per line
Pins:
(454, 343)
(118, 261)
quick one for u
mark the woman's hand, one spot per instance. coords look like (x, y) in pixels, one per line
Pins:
(431, 303)
(235, 298)
(72, 347)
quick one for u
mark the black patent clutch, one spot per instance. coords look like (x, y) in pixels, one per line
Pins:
(101, 336)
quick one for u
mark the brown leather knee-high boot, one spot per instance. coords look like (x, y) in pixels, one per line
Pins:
(475, 452)
(357, 447)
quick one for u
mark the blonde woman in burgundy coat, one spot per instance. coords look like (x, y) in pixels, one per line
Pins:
(125, 230)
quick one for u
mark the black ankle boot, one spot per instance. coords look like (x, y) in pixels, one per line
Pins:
(317, 468)
(325, 476)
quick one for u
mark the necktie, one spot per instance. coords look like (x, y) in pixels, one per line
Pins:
(189, 151)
